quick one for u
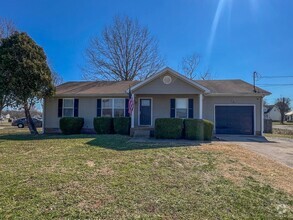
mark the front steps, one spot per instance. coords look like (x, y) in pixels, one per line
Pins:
(141, 132)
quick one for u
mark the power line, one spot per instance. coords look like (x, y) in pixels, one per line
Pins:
(288, 84)
(274, 77)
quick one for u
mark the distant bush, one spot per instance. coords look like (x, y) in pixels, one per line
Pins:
(121, 125)
(198, 129)
(103, 125)
(71, 125)
(168, 128)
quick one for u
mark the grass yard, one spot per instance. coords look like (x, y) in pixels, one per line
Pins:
(90, 176)
(279, 135)
(289, 123)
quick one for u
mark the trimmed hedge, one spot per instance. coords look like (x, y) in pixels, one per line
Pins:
(168, 128)
(198, 129)
(71, 125)
(121, 125)
(194, 129)
(103, 125)
(208, 130)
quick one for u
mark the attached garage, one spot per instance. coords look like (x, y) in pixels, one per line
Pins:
(234, 119)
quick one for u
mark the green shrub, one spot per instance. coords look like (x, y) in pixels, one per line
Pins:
(198, 129)
(71, 125)
(208, 130)
(103, 125)
(121, 125)
(168, 128)
(194, 129)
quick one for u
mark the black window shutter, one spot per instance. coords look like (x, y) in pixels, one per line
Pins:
(76, 101)
(172, 108)
(190, 108)
(99, 107)
(126, 108)
(60, 106)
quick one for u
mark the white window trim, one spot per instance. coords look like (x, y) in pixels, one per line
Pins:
(68, 107)
(113, 107)
(187, 116)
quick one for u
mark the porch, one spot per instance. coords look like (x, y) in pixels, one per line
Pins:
(147, 108)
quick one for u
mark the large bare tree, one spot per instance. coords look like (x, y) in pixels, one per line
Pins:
(189, 65)
(124, 51)
(7, 28)
(283, 104)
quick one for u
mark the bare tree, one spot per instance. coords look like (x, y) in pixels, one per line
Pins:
(7, 28)
(283, 104)
(125, 51)
(189, 65)
(57, 79)
(205, 75)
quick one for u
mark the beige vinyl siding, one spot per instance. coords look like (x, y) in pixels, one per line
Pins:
(177, 86)
(161, 106)
(209, 103)
(87, 110)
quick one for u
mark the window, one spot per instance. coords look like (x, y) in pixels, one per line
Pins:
(181, 108)
(107, 107)
(119, 107)
(68, 107)
(113, 107)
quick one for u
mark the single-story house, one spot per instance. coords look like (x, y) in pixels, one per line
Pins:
(232, 105)
(289, 116)
(272, 112)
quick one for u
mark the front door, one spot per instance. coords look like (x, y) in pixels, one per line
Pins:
(145, 111)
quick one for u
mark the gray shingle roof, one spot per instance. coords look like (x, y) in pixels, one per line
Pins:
(94, 88)
(104, 88)
(234, 86)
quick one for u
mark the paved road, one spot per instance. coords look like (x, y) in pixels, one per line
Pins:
(279, 149)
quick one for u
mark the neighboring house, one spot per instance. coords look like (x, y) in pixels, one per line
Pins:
(289, 116)
(232, 105)
(272, 112)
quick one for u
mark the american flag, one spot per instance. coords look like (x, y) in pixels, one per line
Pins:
(130, 103)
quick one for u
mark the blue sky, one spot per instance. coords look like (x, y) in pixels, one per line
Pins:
(233, 37)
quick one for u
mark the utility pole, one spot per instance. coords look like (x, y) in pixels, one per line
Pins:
(254, 79)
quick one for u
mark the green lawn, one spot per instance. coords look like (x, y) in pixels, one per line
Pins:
(90, 176)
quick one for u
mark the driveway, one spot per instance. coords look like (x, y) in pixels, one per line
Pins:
(279, 149)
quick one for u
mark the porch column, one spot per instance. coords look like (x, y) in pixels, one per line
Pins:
(200, 106)
(132, 113)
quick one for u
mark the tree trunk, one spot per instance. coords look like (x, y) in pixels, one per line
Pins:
(29, 120)
(282, 117)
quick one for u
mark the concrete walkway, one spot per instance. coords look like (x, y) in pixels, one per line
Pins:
(279, 149)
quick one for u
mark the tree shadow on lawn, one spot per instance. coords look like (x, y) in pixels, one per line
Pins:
(123, 143)
(29, 137)
(112, 141)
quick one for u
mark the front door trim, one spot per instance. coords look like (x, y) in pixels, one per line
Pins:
(254, 114)
(139, 111)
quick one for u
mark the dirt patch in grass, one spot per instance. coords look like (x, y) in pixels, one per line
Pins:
(242, 163)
